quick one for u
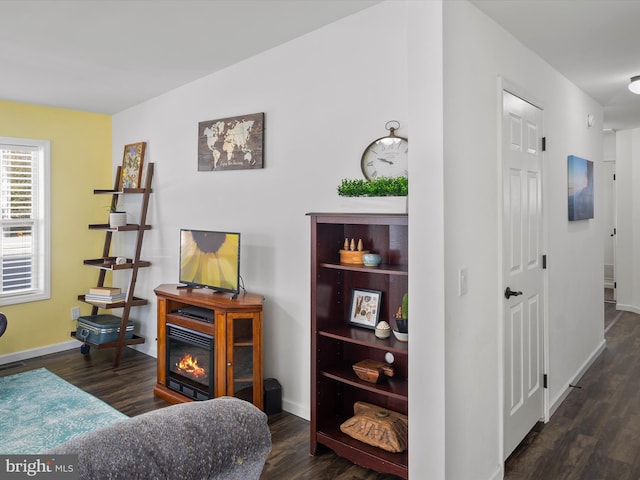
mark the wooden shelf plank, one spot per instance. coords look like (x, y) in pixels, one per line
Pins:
(383, 269)
(392, 387)
(136, 302)
(129, 227)
(100, 263)
(366, 338)
(375, 458)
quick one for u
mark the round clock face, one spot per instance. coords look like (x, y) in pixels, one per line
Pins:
(386, 157)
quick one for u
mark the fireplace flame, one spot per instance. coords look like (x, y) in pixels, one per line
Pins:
(189, 364)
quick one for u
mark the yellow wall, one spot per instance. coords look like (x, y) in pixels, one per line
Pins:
(80, 162)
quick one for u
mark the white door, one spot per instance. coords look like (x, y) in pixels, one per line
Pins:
(522, 268)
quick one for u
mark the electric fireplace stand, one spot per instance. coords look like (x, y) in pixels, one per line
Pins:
(237, 344)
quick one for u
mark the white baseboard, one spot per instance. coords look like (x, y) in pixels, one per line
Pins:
(576, 378)
(498, 474)
(38, 352)
(296, 409)
(627, 308)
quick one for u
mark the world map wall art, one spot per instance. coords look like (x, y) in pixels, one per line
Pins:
(234, 143)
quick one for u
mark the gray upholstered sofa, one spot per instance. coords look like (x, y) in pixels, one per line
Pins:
(224, 438)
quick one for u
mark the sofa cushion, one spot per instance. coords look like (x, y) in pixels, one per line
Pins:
(223, 438)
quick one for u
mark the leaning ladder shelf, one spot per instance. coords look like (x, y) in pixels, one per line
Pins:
(107, 263)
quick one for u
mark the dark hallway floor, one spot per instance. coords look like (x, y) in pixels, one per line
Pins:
(595, 433)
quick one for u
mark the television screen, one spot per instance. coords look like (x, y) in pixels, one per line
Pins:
(210, 260)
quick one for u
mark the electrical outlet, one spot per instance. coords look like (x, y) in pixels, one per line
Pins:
(75, 313)
(462, 281)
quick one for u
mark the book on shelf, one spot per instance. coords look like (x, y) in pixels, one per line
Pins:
(105, 291)
(105, 298)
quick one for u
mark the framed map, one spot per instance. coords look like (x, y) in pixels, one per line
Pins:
(233, 143)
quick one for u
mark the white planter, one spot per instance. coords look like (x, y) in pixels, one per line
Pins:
(117, 219)
(374, 204)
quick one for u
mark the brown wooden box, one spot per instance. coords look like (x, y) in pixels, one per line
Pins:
(372, 370)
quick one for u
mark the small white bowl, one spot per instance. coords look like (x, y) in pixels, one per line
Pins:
(371, 259)
(401, 337)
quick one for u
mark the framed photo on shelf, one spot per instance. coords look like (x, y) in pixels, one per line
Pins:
(132, 159)
(364, 309)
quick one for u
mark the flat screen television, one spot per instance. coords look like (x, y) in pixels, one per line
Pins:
(210, 260)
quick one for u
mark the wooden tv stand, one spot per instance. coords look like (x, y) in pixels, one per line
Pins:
(237, 332)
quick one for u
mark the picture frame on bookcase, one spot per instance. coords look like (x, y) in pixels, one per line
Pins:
(364, 309)
(132, 160)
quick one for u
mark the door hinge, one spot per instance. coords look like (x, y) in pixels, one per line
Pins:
(614, 176)
(615, 285)
(544, 262)
(544, 144)
(545, 382)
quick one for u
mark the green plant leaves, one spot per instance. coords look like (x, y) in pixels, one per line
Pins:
(380, 187)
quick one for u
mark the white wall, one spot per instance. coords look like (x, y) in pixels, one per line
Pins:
(476, 53)
(326, 96)
(609, 207)
(628, 220)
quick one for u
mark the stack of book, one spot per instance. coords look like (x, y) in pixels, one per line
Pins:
(105, 295)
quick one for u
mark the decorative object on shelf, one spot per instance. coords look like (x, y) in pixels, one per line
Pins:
(386, 156)
(382, 195)
(131, 172)
(378, 426)
(352, 253)
(401, 337)
(365, 307)
(372, 371)
(580, 180)
(234, 143)
(402, 319)
(380, 187)
(371, 259)
(383, 330)
(117, 219)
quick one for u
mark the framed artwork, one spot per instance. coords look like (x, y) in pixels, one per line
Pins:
(132, 159)
(234, 143)
(364, 309)
(580, 188)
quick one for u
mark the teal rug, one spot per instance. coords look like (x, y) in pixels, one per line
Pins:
(39, 410)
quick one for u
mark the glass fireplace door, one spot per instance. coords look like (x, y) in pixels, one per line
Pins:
(190, 362)
(242, 355)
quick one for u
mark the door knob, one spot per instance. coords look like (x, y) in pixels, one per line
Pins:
(508, 293)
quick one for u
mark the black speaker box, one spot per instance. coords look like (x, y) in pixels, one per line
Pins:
(272, 396)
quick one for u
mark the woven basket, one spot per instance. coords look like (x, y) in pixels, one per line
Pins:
(352, 257)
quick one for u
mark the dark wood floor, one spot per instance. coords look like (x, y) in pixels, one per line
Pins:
(129, 388)
(595, 433)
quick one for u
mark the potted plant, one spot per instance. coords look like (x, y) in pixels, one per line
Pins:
(379, 187)
(117, 218)
(402, 316)
(381, 195)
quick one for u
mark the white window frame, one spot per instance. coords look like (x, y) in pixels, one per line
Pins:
(41, 223)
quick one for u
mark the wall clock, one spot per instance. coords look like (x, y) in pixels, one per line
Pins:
(387, 156)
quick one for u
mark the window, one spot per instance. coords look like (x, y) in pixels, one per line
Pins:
(24, 220)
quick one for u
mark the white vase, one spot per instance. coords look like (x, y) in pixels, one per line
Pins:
(374, 204)
(117, 219)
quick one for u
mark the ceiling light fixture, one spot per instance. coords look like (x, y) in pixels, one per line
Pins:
(634, 84)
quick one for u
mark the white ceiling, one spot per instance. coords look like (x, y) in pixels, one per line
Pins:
(107, 55)
(591, 42)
